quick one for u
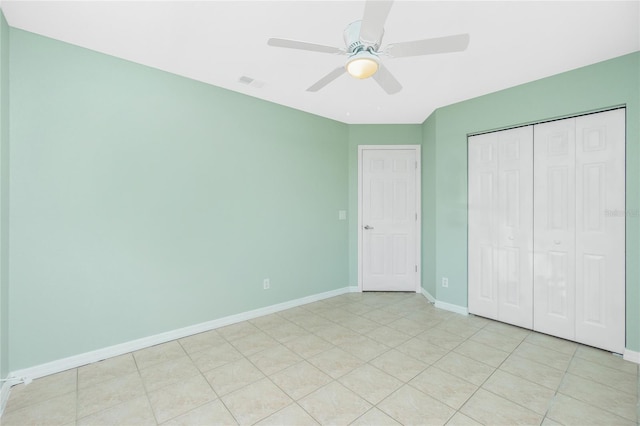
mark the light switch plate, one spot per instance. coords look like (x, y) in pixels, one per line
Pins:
(342, 215)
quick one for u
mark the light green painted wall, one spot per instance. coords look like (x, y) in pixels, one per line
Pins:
(429, 167)
(143, 202)
(4, 197)
(370, 134)
(606, 84)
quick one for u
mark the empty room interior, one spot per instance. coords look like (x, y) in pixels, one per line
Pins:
(319, 212)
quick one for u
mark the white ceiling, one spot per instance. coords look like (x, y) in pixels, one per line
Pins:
(217, 42)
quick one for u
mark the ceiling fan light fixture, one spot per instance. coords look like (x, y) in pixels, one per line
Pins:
(363, 64)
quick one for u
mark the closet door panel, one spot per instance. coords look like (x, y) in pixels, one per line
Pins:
(483, 238)
(515, 226)
(554, 228)
(600, 230)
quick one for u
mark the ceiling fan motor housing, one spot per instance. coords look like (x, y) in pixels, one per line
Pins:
(354, 43)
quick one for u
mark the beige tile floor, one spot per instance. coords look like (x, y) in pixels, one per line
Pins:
(361, 359)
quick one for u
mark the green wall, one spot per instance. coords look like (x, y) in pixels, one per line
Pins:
(4, 196)
(143, 202)
(605, 84)
(371, 134)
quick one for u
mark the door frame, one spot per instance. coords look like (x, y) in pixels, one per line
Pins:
(416, 149)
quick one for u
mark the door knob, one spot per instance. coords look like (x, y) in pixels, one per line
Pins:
(368, 227)
(556, 242)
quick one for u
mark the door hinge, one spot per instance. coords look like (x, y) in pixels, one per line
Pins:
(416, 217)
(416, 268)
(416, 164)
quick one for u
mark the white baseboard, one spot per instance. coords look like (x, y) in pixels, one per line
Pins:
(631, 356)
(4, 395)
(428, 295)
(75, 361)
(451, 307)
(444, 305)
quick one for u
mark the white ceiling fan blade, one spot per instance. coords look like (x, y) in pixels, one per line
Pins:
(430, 46)
(302, 45)
(327, 79)
(386, 80)
(375, 15)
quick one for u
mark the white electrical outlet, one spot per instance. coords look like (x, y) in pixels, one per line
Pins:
(445, 282)
(266, 284)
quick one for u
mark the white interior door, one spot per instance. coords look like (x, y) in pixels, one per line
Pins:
(554, 227)
(483, 223)
(515, 226)
(600, 230)
(389, 219)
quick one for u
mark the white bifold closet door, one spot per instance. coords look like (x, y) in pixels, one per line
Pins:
(579, 222)
(500, 225)
(547, 228)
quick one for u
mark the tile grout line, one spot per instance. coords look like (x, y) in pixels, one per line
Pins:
(336, 380)
(146, 393)
(407, 383)
(296, 401)
(488, 377)
(201, 374)
(395, 347)
(553, 399)
(137, 371)
(303, 359)
(403, 382)
(248, 384)
(478, 386)
(565, 377)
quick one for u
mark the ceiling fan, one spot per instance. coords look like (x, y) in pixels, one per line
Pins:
(363, 40)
